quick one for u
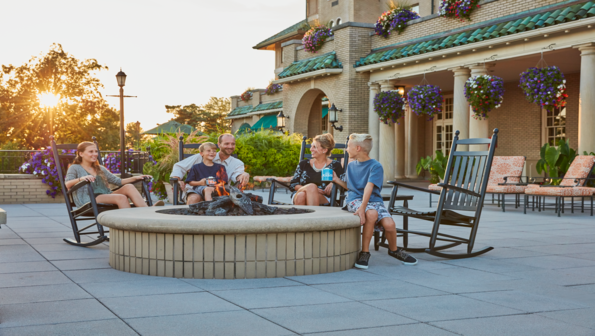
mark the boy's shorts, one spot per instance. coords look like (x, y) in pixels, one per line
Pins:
(378, 206)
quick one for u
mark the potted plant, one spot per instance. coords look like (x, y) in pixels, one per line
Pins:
(395, 19)
(315, 38)
(389, 105)
(436, 166)
(545, 87)
(247, 95)
(273, 88)
(484, 93)
(458, 9)
(555, 161)
(425, 99)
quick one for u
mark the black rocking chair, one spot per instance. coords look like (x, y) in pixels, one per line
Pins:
(336, 189)
(464, 189)
(88, 211)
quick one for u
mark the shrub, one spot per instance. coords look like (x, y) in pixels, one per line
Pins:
(555, 161)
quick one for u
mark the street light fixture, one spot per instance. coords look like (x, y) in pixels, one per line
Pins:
(281, 121)
(121, 77)
(333, 117)
(48, 100)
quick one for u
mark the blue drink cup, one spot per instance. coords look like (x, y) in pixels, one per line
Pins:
(327, 175)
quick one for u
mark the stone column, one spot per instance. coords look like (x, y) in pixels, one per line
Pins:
(412, 138)
(373, 122)
(386, 145)
(586, 110)
(400, 148)
(460, 121)
(478, 128)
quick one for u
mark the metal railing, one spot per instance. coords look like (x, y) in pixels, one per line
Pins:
(136, 159)
(12, 160)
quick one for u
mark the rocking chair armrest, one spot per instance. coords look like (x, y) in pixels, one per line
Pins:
(463, 190)
(77, 186)
(520, 183)
(173, 180)
(395, 183)
(143, 180)
(283, 184)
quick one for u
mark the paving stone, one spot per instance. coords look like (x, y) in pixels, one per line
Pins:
(351, 275)
(13, 241)
(526, 302)
(32, 266)
(513, 325)
(490, 265)
(103, 275)
(14, 315)
(152, 286)
(331, 317)
(83, 264)
(32, 279)
(553, 262)
(279, 297)
(67, 247)
(563, 277)
(439, 308)
(373, 290)
(68, 291)
(212, 324)
(576, 317)
(217, 284)
(80, 254)
(112, 327)
(418, 329)
(18, 253)
(168, 304)
(562, 248)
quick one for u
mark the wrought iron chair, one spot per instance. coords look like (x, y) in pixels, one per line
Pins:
(464, 189)
(88, 211)
(336, 191)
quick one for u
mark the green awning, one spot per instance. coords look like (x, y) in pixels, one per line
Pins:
(266, 122)
(171, 126)
(324, 111)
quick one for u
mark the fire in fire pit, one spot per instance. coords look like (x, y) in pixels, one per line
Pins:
(236, 203)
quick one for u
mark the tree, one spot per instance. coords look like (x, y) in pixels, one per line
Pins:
(80, 113)
(187, 115)
(133, 135)
(207, 118)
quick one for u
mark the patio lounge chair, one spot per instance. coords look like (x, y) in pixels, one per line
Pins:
(464, 188)
(337, 190)
(572, 185)
(88, 211)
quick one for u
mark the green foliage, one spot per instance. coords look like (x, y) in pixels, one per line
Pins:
(590, 183)
(555, 161)
(206, 118)
(436, 166)
(80, 114)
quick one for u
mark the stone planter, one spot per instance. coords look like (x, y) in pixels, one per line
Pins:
(25, 189)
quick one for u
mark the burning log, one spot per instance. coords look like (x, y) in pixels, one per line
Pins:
(241, 200)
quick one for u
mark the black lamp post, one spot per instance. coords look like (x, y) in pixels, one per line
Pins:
(121, 77)
(281, 119)
(333, 117)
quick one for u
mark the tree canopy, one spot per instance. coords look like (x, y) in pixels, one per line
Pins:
(80, 113)
(207, 118)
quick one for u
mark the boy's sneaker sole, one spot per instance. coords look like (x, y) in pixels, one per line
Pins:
(403, 257)
(361, 266)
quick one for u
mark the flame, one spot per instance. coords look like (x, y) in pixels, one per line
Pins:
(220, 186)
(249, 186)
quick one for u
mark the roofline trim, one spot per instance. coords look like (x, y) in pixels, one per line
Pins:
(321, 72)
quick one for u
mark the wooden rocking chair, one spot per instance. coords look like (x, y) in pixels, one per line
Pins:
(88, 211)
(464, 189)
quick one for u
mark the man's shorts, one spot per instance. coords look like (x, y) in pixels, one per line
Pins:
(378, 206)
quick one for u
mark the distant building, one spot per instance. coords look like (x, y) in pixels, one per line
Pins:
(503, 38)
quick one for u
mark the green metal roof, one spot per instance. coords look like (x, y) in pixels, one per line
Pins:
(268, 106)
(285, 33)
(171, 126)
(520, 22)
(238, 111)
(326, 61)
(266, 122)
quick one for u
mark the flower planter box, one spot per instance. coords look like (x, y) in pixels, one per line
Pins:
(24, 189)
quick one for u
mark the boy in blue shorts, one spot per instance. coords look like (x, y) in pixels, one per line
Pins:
(364, 181)
(199, 173)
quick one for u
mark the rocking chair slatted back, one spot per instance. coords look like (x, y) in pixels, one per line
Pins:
(467, 174)
(63, 160)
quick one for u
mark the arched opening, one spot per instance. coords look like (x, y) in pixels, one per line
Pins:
(311, 116)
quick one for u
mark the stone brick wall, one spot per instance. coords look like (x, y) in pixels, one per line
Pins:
(435, 25)
(24, 189)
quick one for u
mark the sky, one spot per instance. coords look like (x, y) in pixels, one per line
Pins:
(174, 52)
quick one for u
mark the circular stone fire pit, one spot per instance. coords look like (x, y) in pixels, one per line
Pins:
(144, 241)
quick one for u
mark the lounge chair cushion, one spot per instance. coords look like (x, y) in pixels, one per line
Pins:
(557, 191)
(580, 168)
(434, 187)
(506, 189)
(511, 166)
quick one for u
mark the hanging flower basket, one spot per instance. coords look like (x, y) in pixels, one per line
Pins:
(484, 93)
(273, 88)
(425, 99)
(458, 9)
(247, 95)
(395, 19)
(389, 105)
(315, 38)
(545, 87)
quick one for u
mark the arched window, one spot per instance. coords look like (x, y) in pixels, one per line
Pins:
(331, 24)
(338, 21)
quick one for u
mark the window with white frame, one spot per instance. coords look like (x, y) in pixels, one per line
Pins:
(415, 8)
(443, 128)
(554, 125)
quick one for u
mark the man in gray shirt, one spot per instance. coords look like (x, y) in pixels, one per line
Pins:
(233, 167)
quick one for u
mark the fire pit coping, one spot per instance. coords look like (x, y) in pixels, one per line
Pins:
(149, 220)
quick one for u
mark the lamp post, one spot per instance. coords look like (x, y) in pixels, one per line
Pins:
(121, 77)
(333, 117)
(281, 120)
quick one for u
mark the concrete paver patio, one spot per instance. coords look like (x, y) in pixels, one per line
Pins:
(539, 279)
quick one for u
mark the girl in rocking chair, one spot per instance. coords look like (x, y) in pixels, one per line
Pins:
(86, 168)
